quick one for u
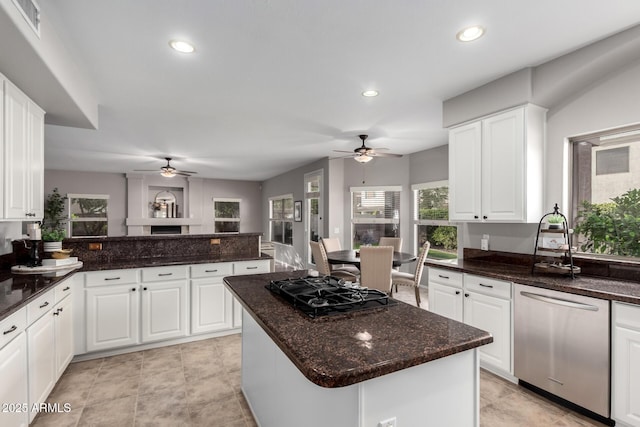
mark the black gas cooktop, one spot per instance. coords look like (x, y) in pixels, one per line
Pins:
(328, 295)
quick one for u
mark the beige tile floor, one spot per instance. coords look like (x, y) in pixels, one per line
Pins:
(198, 384)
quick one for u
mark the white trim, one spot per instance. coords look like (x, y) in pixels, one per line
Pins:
(87, 196)
(376, 188)
(284, 196)
(226, 199)
(432, 184)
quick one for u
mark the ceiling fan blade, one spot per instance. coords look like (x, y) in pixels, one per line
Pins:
(343, 151)
(182, 173)
(185, 171)
(374, 154)
(145, 170)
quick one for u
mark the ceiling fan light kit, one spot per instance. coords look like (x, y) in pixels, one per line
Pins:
(168, 171)
(363, 158)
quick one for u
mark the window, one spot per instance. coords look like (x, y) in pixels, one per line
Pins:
(281, 219)
(606, 193)
(375, 213)
(431, 220)
(88, 215)
(226, 215)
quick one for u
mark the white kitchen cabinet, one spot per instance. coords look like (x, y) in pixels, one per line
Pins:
(113, 313)
(13, 370)
(481, 302)
(625, 382)
(445, 293)
(241, 268)
(496, 167)
(211, 302)
(164, 303)
(13, 387)
(487, 306)
(63, 327)
(23, 156)
(42, 359)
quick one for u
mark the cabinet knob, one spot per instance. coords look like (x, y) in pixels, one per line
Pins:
(457, 292)
(475, 217)
(484, 217)
(144, 289)
(466, 295)
(56, 313)
(133, 289)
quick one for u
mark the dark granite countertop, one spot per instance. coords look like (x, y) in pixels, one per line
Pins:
(597, 287)
(16, 290)
(327, 350)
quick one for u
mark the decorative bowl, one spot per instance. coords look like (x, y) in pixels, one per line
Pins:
(61, 254)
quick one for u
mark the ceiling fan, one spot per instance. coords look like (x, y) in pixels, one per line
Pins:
(168, 170)
(364, 154)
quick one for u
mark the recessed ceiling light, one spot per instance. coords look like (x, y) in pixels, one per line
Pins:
(182, 46)
(370, 93)
(470, 34)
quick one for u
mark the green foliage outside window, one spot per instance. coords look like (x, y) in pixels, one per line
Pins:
(611, 228)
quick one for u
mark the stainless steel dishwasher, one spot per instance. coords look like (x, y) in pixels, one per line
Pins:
(561, 345)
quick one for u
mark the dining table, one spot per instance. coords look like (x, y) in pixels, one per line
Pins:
(351, 256)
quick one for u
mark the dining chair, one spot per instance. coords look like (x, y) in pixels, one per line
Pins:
(375, 267)
(399, 278)
(322, 263)
(396, 242)
(332, 244)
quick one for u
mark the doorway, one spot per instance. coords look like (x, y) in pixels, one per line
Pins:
(313, 223)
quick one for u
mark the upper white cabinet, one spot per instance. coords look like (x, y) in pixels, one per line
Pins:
(625, 369)
(496, 167)
(23, 160)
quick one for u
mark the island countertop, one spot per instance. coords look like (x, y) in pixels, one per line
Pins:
(336, 351)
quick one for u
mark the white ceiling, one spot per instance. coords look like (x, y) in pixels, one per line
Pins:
(276, 84)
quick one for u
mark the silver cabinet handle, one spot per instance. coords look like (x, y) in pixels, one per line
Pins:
(111, 278)
(485, 286)
(11, 329)
(559, 301)
(165, 274)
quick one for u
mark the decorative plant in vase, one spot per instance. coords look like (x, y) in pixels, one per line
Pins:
(54, 222)
(555, 221)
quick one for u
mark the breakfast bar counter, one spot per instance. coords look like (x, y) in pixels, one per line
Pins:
(408, 360)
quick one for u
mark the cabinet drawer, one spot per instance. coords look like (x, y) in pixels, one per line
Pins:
(111, 277)
(155, 274)
(445, 277)
(63, 290)
(39, 306)
(211, 270)
(626, 315)
(487, 286)
(251, 267)
(12, 326)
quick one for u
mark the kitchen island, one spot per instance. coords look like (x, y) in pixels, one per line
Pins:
(355, 369)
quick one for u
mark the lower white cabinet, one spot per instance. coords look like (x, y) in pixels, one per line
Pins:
(211, 302)
(625, 383)
(42, 359)
(63, 326)
(242, 268)
(14, 391)
(112, 316)
(164, 309)
(481, 302)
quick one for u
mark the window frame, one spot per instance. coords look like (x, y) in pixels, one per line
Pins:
(71, 220)
(417, 222)
(272, 199)
(226, 219)
(386, 188)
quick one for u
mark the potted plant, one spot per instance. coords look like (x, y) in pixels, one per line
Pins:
(555, 221)
(53, 223)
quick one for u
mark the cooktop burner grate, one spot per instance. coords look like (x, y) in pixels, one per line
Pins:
(328, 295)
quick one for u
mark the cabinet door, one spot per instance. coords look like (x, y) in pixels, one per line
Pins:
(446, 301)
(242, 268)
(35, 170)
(42, 361)
(625, 369)
(64, 334)
(503, 168)
(112, 316)
(465, 146)
(493, 315)
(164, 310)
(211, 306)
(16, 153)
(13, 387)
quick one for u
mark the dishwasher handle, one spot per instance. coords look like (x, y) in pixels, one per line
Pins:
(559, 301)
